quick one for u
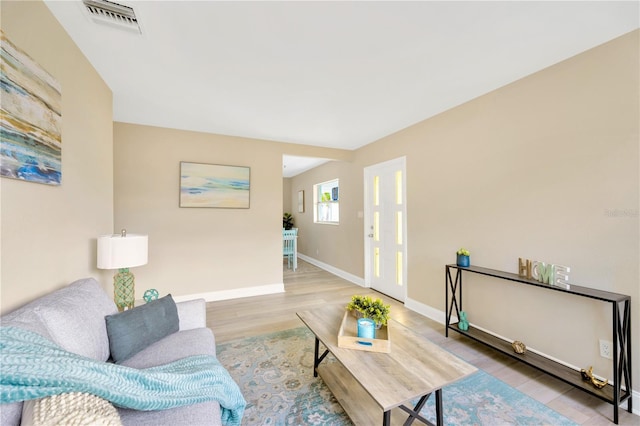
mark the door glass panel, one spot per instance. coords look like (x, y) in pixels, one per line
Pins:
(376, 190)
(399, 187)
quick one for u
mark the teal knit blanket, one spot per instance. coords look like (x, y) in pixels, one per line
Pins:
(33, 367)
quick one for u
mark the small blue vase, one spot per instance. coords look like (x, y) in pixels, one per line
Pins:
(462, 260)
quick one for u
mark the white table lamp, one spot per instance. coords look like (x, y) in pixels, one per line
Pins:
(123, 252)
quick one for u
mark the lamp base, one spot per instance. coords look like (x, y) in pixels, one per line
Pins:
(124, 289)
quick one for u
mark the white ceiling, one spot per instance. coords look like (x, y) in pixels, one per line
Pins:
(293, 166)
(334, 74)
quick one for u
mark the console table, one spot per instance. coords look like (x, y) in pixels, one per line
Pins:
(613, 393)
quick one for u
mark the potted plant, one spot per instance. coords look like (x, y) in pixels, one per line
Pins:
(367, 307)
(287, 221)
(462, 257)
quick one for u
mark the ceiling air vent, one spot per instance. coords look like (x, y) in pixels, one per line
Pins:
(110, 13)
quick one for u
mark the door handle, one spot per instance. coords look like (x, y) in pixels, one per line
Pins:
(370, 235)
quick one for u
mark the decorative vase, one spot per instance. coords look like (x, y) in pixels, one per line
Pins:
(462, 260)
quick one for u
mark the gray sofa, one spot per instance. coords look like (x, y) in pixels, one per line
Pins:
(74, 318)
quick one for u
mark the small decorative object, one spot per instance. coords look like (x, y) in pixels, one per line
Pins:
(287, 221)
(151, 294)
(587, 376)
(366, 328)
(326, 196)
(462, 257)
(519, 347)
(463, 324)
(369, 308)
(546, 273)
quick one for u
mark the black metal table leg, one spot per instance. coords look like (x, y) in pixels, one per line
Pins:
(318, 359)
(414, 414)
(627, 339)
(315, 358)
(439, 414)
(447, 284)
(386, 418)
(455, 287)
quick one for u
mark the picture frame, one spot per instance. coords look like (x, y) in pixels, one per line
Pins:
(214, 186)
(31, 127)
(301, 201)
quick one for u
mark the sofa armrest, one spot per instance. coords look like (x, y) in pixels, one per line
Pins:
(192, 314)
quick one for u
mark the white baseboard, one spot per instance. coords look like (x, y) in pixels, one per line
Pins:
(335, 271)
(635, 400)
(439, 316)
(425, 310)
(235, 293)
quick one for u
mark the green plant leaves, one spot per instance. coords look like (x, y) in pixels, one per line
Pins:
(370, 308)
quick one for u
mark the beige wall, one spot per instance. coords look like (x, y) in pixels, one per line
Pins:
(48, 232)
(197, 251)
(286, 197)
(545, 168)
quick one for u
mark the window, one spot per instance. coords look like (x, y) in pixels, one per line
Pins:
(325, 199)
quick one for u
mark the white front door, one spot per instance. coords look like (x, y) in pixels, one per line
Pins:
(385, 228)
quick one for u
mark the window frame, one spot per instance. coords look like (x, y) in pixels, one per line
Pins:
(318, 203)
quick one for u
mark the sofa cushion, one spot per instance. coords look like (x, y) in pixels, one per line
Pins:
(206, 413)
(74, 317)
(199, 341)
(133, 330)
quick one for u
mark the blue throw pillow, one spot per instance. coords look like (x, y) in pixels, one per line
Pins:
(133, 330)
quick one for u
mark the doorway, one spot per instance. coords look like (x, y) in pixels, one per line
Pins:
(385, 223)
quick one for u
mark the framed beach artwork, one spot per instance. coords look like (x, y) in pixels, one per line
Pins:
(30, 129)
(301, 201)
(214, 186)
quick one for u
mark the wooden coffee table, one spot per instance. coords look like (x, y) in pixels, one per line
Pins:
(368, 384)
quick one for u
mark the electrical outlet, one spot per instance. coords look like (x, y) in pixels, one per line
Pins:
(605, 349)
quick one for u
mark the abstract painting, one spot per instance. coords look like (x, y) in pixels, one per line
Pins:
(31, 120)
(214, 185)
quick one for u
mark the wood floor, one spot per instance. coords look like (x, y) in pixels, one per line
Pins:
(311, 287)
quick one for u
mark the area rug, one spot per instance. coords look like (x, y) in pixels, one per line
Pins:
(275, 373)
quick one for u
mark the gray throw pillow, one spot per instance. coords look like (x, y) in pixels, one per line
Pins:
(133, 330)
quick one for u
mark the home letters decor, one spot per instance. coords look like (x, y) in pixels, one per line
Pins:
(546, 273)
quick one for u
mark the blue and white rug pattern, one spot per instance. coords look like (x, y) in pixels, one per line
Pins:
(275, 374)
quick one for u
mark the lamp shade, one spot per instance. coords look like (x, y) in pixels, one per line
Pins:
(117, 251)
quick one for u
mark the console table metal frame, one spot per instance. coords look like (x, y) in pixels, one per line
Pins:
(621, 315)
